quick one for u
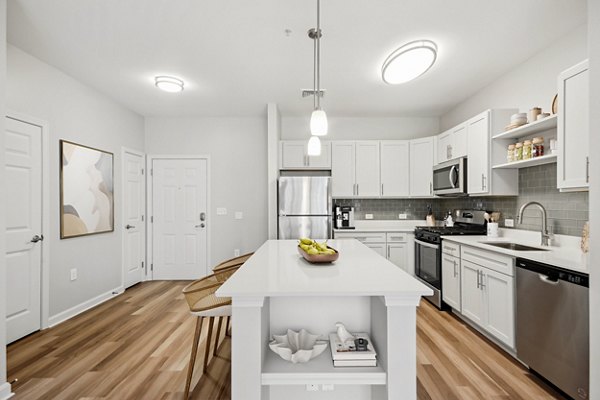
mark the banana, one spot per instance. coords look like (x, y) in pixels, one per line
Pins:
(307, 241)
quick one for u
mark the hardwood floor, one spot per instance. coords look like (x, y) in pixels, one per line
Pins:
(137, 345)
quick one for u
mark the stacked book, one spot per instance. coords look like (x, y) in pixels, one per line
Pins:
(347, 355)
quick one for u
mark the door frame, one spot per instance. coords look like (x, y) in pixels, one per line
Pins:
(149, 204)
(125, 150)
(45, 264)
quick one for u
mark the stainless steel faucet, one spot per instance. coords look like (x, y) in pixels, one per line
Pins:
(545, 234)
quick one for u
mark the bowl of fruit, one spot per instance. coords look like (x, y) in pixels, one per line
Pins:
(315, 252)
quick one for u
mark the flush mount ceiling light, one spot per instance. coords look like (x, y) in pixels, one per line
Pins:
(409, 62)
(168, 83)
(318, 119)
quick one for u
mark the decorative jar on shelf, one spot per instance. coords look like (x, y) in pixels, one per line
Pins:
(510, 153)
(537, 149)
(518, 152)
(526, 149)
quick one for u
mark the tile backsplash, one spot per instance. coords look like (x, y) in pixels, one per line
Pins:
(567, 212)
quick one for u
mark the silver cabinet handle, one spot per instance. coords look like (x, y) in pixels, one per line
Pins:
(482, 284)
(478, 284)
(357, 190)
(37, 238)
(587, 169)
(382, 189)
(129, 226)
(482, 177)
(455, 273)
(431, 188)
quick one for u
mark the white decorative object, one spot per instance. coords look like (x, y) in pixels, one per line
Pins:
(297, 347)
(492, 229)
(343, 333)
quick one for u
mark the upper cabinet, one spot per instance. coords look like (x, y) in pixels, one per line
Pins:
(343, 164)
(355, 169)
(395, 167)
(367, 169)
(482, 152)
(573, 163)
(452, 144)
(421, 167)
(293, 155)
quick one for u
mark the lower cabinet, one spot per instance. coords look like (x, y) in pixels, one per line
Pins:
(398, 254)
(487, 296)
(378, 247)
(451, 281)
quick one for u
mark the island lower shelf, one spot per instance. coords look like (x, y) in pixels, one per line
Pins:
(319, 370)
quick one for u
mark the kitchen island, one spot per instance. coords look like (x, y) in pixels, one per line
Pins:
(277, 289)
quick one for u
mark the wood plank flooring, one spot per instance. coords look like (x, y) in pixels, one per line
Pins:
(137, 346)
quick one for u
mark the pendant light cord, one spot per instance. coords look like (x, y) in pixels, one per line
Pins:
(318, 56)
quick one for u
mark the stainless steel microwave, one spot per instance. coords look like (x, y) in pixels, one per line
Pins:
(450, 178)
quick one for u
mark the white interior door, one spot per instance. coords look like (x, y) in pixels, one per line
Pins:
(23, 228)
(133, 218)
(179, 203)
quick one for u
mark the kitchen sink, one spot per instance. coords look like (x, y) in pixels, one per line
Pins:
(513, 246)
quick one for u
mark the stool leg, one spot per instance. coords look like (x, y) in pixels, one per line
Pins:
(227, 326)
(217, 337)
(208, 337)
(193, 356)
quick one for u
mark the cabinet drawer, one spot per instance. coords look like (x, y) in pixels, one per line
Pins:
(489, 259)
(395, 237)
(451, 248)
(365, 237)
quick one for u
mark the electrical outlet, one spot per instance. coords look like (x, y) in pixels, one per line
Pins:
(312, 388)
(236, 252)
(221, 211)
(402, 216)
(327, 387)
(509, 223)
(239, 215)
(73, 274)
(368, 216)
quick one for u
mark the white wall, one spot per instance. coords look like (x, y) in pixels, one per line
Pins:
(4, 387)
(238, 151)
(344, 128)
(531, 84)
(80, 114)
(594, 52)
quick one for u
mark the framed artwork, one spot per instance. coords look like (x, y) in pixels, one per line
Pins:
(86, 190)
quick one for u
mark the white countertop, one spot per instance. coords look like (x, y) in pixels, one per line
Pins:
(568, 256)
(384, 226)
(276, 269)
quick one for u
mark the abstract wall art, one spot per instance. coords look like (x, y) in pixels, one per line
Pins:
(86, 190)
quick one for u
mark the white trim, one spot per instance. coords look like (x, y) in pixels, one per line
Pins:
(149, 192)
(86, 305)
(124, 151)
(45, 278)
(5, 392)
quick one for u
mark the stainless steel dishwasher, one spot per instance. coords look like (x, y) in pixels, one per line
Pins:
(552, 325)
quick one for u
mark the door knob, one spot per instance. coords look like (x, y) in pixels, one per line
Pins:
(202, 225)
(37, 238)
(129, 226)
(202, 216)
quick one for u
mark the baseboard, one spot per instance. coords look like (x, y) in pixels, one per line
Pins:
(5, 392)
(86, 305)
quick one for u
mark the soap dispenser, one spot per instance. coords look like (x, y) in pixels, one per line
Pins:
(449, 220)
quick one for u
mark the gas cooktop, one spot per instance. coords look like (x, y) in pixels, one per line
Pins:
(454, 230)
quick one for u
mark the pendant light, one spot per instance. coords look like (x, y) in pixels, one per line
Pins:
(318, 119)
(314, 146)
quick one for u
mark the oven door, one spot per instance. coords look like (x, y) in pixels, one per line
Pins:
(449, 178)
(428, 263)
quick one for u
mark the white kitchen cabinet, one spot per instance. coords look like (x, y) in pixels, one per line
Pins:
(452, 144)
(395, 166)
(472, 301)
(367, 169)
(573, 162)
(421, 167)
(444, 146)
(294, 155)
(482, 153)
(451, 281)
(499, 296)
(398, 254)
(342, 169)
(378, 247)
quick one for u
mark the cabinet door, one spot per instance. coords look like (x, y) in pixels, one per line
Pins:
(459, 141)
(499, 302)
(471, 293)
(397, 253)
(378, 247)
(451, 281)
(478, 149)
(322, 161)
(367, 169)
(342, 169)
(444, 147)
(395, 168)
(421, 167)
(293, 155)
(573, 128)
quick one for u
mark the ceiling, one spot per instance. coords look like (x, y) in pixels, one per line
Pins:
(235, 55)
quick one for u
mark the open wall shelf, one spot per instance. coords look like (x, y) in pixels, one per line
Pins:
(547, 159)
(529, 129)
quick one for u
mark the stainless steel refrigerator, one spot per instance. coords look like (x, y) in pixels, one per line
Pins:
(305, 207)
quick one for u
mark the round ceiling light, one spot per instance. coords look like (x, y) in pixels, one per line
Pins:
(409, 62)
(168, 83)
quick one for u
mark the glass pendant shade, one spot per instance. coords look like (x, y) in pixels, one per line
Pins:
(318, 123)
(314, 146)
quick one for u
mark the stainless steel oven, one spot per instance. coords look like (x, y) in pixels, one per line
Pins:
(450, 178)
(428, 265)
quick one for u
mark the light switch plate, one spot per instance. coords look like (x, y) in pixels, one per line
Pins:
(236, 252)
(239, 215)
(368, 216)
(73, 274)
(221, 211)
(402, 216)
(312, 387)
(509, 223)
(327, 387)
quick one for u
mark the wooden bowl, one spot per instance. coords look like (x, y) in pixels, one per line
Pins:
(319, 258)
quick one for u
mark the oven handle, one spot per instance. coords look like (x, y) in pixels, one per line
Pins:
(433, 246)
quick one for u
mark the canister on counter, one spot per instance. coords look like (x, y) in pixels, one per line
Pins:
(518, 152)
(537, 149)
(527, 149)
